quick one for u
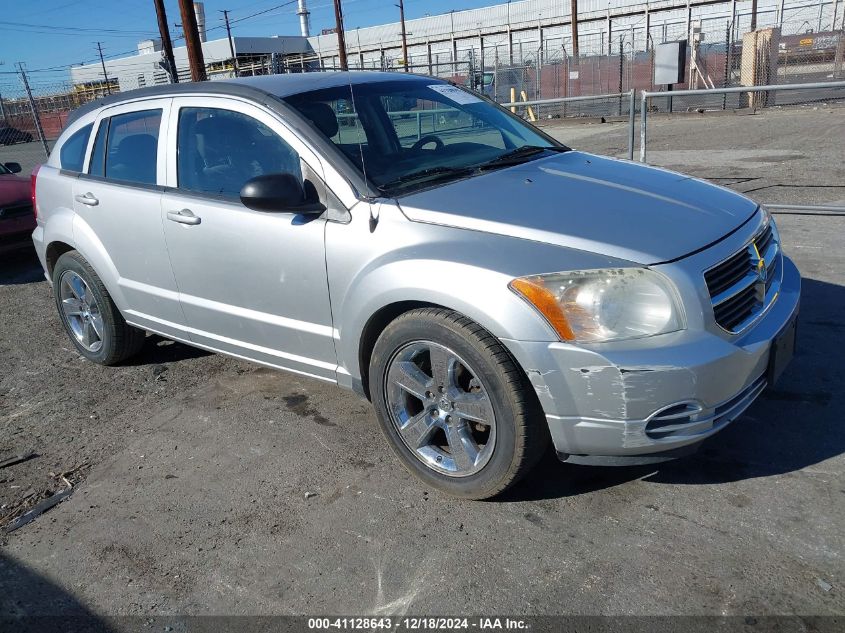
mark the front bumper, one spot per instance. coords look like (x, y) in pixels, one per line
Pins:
(654, 395)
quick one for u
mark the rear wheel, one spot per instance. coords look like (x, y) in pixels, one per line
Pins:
(454, 405)
(94, 324)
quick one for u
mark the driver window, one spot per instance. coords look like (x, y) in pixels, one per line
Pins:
(415, 119)
(219, 150)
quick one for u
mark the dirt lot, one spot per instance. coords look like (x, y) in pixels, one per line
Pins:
(206, 485)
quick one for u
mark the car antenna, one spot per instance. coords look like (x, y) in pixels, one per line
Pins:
(373, 209)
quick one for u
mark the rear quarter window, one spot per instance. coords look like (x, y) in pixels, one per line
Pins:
(72, 153)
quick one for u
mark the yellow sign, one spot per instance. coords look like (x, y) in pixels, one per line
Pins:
(807, 41)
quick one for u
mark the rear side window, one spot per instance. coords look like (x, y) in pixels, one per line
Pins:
(72, 154)
(132, 146)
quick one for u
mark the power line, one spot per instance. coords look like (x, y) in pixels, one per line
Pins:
(75, 29)
(176, 38)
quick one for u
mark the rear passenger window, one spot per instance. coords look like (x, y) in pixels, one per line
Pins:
(220, 150)
(72, 154)
(132, 147)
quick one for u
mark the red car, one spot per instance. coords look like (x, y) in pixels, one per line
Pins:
(17, 220)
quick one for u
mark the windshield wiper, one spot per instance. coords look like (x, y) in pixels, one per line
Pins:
(518, 155)
(431, 173)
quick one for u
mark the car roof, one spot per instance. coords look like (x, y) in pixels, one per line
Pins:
(290, 84)
(256, 88)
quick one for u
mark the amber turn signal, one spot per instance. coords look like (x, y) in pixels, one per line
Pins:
(535, 292)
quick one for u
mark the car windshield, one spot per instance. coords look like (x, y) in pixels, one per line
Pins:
(403, 135)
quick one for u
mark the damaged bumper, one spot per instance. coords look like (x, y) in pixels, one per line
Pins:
(656, 398)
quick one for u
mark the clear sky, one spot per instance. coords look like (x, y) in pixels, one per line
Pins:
(50, 35)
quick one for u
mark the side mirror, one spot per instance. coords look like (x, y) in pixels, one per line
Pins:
(15, 168)
(279, 192)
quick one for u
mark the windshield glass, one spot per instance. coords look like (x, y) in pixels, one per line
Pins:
(406, 134)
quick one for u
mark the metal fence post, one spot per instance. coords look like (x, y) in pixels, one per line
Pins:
(643, 122)
(621, 48)
(632, 109)
(34, 110)
(727, 64)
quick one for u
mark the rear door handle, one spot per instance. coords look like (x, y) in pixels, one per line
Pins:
(185, 216)
(87, 199)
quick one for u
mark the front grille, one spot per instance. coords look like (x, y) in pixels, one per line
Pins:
(16, 211)
(742, 286)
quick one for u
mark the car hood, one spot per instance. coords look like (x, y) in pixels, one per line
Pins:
(13, 190)
(592, 203)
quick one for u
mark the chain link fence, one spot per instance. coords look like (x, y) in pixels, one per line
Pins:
(719, 55)
(36, 113)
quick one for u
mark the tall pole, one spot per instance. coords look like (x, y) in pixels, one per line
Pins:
(574, 69)
(3, 110)
(231, 43)
(192, 40)
(341, 38)
(753, 15)
(454, 44)
(102, 61)
(401, 6)
(166, 44)
(34, 110)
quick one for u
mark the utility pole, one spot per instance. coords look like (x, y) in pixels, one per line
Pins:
(753, 15)
(574, 25)
(231, 44)
(401, 6)
(166, 44)
(3, 110)
(192, 40)
(341, 38)
(34, 110)
(105, 75)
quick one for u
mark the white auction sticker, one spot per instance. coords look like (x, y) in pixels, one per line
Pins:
(455, 94)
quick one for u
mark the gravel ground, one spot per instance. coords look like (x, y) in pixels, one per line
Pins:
(206, 485)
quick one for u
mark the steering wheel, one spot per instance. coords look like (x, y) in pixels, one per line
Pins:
(425, 140)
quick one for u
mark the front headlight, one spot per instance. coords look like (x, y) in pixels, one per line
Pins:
(768, 218)
(604, 305)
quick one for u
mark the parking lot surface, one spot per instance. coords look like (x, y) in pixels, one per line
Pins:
(207, 485)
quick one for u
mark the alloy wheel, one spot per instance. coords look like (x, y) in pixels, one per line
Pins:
(440, 408)
(81, 311)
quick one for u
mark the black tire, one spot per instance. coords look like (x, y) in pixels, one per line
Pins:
(120, 340)
(521, 432)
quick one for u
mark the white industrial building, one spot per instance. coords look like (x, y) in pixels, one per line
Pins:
(516, 32)
(512, 32)
(255, 54)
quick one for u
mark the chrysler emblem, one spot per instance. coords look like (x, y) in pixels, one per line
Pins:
(762, 273)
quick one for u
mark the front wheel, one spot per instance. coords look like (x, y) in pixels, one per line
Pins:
(454, 405)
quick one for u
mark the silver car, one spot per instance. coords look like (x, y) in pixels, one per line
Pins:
(488, 289)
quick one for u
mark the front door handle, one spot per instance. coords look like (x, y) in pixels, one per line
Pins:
(185, 216)
(87, 199)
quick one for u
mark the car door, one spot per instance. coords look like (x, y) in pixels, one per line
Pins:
(118, 208)
(251, 283)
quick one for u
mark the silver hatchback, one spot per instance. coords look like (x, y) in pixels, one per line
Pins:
(490, 290)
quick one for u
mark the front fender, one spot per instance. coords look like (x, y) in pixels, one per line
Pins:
(463, 270)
